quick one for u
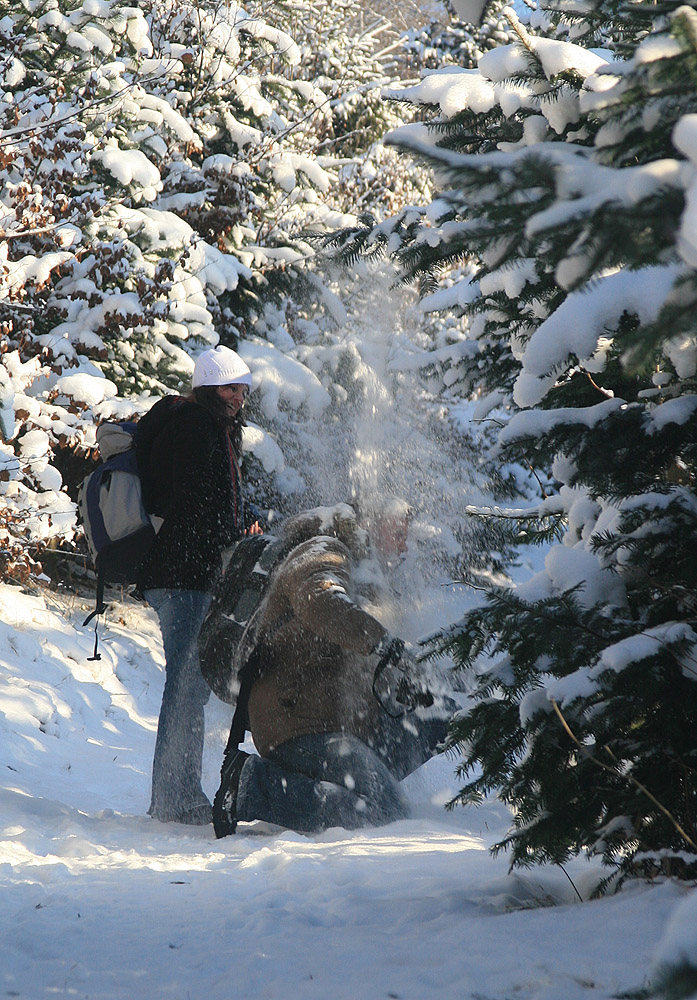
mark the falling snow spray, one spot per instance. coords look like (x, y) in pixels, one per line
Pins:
(392, 447)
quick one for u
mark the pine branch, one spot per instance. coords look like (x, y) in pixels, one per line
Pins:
(518, 28)
(615, 770)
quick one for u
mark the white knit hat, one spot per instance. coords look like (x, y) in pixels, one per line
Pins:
(220, 366)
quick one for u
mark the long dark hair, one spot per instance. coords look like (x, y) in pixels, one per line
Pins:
(207, 397)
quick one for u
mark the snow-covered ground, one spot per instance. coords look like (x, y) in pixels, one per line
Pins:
(101, 902)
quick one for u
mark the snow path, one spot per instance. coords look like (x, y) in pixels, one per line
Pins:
(101, 902)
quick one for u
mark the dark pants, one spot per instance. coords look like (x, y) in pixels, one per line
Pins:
(406, 743)
(314, 782)
(311, 783)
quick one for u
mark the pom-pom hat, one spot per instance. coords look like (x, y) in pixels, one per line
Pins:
(220, 366)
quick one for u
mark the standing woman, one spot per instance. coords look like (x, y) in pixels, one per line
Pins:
(189, 460)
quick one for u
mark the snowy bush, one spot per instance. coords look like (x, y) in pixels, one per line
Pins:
(159, 163)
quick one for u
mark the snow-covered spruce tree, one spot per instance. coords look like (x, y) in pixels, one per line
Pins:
(47, 202)
(568, 182)
(157, 162)
(469, 32)
(320, 321)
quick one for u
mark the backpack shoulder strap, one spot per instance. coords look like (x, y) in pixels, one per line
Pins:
(240, 719)
(248, 672)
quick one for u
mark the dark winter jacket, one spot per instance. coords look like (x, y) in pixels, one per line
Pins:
(315, 642)
(191, 478)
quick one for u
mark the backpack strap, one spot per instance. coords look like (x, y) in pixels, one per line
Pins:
(240, 720)
(100, 608)
(248, 673)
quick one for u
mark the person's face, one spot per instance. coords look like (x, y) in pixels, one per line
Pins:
(233, 396)
(390, 535)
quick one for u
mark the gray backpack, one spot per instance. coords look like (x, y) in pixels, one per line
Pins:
(118, 529)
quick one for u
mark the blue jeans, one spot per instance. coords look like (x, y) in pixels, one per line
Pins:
(176, 769)
(406, 743)
(314, 782)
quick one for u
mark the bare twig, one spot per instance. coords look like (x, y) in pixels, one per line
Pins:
(571, 881)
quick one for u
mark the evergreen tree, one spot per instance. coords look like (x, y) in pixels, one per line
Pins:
(567, 185)
(462, 40)
(158, 164)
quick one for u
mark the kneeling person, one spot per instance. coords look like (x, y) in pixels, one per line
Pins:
(329, 754)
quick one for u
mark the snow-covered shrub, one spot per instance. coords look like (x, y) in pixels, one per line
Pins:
(468, 33)
(158, 164)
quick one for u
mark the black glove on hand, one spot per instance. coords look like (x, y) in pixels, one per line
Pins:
(393, 652)
(410, 696)
(390, 649)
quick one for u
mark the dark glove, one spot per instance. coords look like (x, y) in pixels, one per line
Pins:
(393, 653)
(411, 696)
(389, 649)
